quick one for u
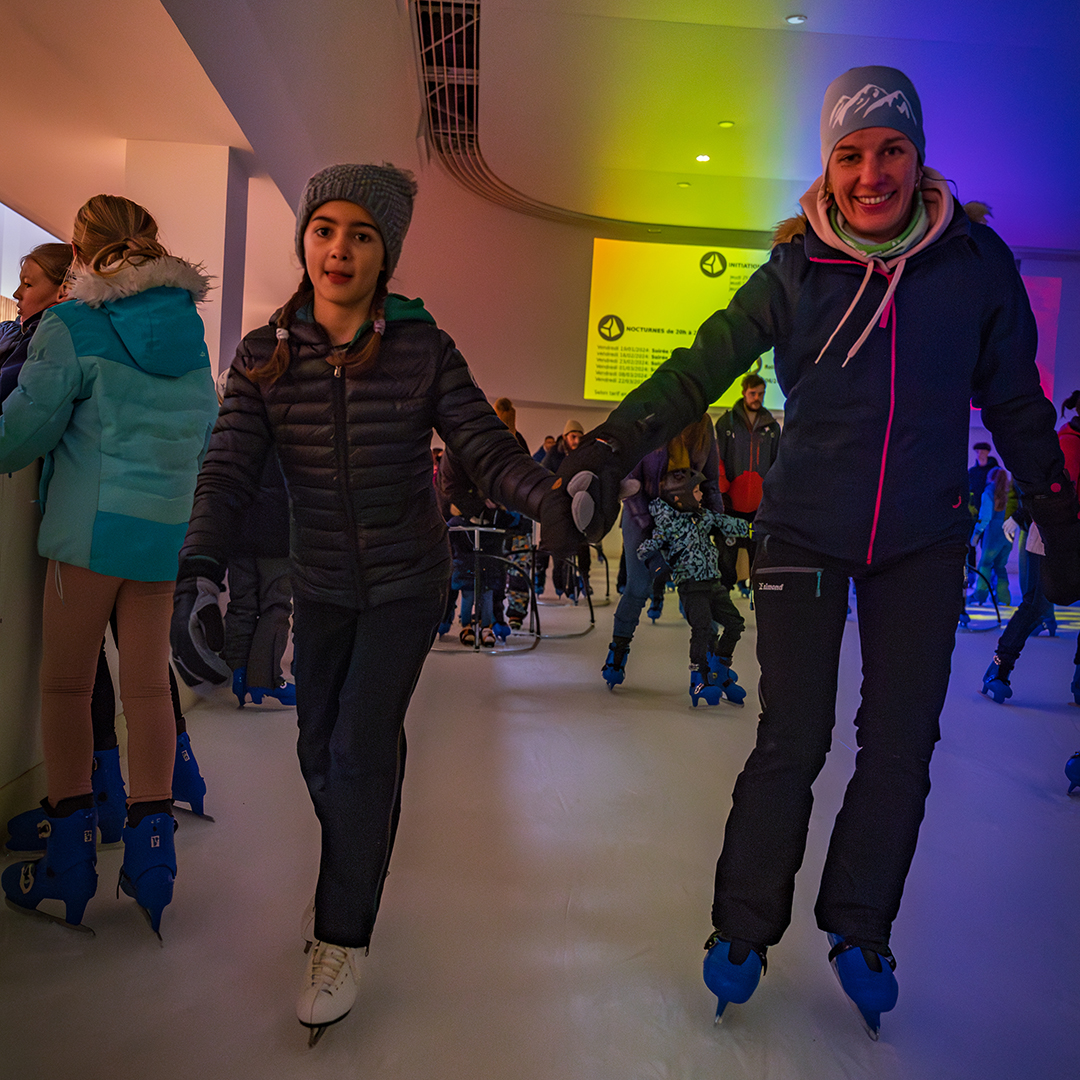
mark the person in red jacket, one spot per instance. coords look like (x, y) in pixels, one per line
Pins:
(748, 437)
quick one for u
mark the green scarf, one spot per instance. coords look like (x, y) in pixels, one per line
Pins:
(916, 229)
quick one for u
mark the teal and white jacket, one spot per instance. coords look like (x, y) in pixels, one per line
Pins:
(118, 396)
(685, 540)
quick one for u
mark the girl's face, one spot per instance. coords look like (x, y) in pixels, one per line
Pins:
(344, 255)
(35, 292)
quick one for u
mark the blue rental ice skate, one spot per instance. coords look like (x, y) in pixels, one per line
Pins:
(724, 677)
(67, 871)
(996, 681)
(188, 786)
(703, 685)
(614, 669)
(867, 983)
(149, 868)
(656, 607)
(1047, 623)
(27, 830)
(1072, 771)
(501, 630)
(732, 970)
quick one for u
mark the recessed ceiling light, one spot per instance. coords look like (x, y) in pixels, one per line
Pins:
(683, 183)
(796, 20)
(703, 157)
(726, 124)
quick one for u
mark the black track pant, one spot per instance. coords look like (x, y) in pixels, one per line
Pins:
(355, 674)
(908, 613)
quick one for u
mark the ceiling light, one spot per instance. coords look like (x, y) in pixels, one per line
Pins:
(683, 183)
(726, 124)
(703, 157)
(796, 20)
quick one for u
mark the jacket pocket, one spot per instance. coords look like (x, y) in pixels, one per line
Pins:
(801, 581)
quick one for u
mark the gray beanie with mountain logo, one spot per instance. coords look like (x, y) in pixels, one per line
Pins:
(867, 97)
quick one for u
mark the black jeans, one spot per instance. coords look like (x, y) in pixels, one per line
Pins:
(355, 674)
(908, 612)
(706, 603)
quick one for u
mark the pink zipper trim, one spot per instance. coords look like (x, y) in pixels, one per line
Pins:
(890, 312)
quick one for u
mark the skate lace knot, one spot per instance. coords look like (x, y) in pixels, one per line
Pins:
(327, 964)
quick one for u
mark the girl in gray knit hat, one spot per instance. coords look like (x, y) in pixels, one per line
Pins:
(347, 384)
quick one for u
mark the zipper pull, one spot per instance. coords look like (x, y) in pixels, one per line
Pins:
(337, 371)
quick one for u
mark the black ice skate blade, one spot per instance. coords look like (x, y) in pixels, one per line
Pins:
(193, 813)
(873, 1032)
(82, 928)
(315, 1031)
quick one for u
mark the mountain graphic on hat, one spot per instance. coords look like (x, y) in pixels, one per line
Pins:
(867, 100)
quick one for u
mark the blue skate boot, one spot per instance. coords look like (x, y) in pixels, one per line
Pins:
(996, 681)
(868, 984)
(732, 970)
(501, 630)
(614, 669)
(703, 685)
(723, 676)
(285, 692)
(188, 786)
(1047, 623)
(27, 832)
(67, 871)
(656, 606)
(149, 868)
(28, 829)
(1072, 771)
(110, 796)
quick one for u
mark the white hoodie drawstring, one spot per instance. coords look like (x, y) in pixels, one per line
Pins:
(851, 308)
(871, 265)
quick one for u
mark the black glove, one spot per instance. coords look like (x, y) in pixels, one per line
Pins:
(1057, 516)
(559, 536)
(657, 565)
(197, 632)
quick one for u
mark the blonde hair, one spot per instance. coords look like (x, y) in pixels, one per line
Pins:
(54, 260)
(111, 231)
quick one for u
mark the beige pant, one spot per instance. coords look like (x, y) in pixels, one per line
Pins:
(76, 612)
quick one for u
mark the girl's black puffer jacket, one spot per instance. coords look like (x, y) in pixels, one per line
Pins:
(355, 450)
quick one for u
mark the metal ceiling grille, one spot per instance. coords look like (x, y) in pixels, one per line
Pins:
(447, 38)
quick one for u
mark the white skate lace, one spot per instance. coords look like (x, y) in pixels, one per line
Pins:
(327, 966)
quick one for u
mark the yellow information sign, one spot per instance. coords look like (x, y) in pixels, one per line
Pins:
(648, 299)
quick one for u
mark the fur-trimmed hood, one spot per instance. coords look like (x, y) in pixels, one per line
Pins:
(151, 308)
(168, 272)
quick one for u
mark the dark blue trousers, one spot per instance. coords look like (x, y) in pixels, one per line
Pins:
(908, 612)
(355, 674)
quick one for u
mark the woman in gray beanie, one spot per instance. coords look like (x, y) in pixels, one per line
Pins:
(347, 384)
(890, 313)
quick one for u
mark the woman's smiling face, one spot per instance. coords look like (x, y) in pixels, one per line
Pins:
(873, 174)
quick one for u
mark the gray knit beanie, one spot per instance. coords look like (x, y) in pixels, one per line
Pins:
(384, 192)
(866, 97)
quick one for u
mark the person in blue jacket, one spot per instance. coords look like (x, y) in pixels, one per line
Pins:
(890, 314)
(117, 394)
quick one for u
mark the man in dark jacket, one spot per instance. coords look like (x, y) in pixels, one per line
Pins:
(890, 313)
(748, 438)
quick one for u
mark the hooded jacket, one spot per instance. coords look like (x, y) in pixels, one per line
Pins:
(117, 393)
(880, 363)
(355, 450)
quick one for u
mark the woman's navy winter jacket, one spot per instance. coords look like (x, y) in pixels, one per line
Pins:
(872, 465)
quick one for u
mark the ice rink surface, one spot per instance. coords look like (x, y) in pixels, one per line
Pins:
(550, 891)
